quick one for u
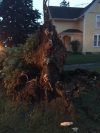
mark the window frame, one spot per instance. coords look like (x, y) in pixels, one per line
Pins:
(98, 15)
(97, 41)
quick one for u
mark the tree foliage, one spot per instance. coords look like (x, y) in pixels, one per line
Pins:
(18, 19)
(64, 4)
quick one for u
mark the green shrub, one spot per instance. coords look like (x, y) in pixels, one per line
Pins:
(75, 45)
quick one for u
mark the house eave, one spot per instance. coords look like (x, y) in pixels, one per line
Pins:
(84, 13)
(70, 33)
(63, 19)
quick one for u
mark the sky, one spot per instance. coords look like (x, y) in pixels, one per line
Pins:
(37, 4)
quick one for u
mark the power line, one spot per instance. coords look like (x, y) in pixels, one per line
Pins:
(82, 4)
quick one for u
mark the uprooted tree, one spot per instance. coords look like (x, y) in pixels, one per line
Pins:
(32, 71)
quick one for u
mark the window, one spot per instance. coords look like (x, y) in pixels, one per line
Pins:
(98, 21)
(96, 40)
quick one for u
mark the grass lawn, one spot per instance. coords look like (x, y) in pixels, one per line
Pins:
(47, 118)
(95, 68)
(79, 58)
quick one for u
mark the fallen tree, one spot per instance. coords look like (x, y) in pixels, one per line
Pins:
(32, 71)
(35, 68)
(47, 59)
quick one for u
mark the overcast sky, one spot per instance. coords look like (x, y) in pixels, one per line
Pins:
(37, 4)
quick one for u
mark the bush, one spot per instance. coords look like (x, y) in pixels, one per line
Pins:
(75, 45)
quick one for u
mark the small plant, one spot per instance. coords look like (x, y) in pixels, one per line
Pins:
(75, 45)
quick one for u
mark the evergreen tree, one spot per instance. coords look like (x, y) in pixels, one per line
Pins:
(64, 3)
(18, 20)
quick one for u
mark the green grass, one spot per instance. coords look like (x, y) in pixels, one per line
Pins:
(95, 68)
(80, 58)
(88, 108)
(47, 117)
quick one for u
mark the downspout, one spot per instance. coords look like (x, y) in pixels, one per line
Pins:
(84, 23)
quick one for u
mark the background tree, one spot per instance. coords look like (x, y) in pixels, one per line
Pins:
(64, 3)
(18, 20)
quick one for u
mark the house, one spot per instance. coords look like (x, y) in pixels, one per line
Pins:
(82, 24)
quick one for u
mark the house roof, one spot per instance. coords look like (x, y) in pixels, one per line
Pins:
(65, 12)
(59, 12)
